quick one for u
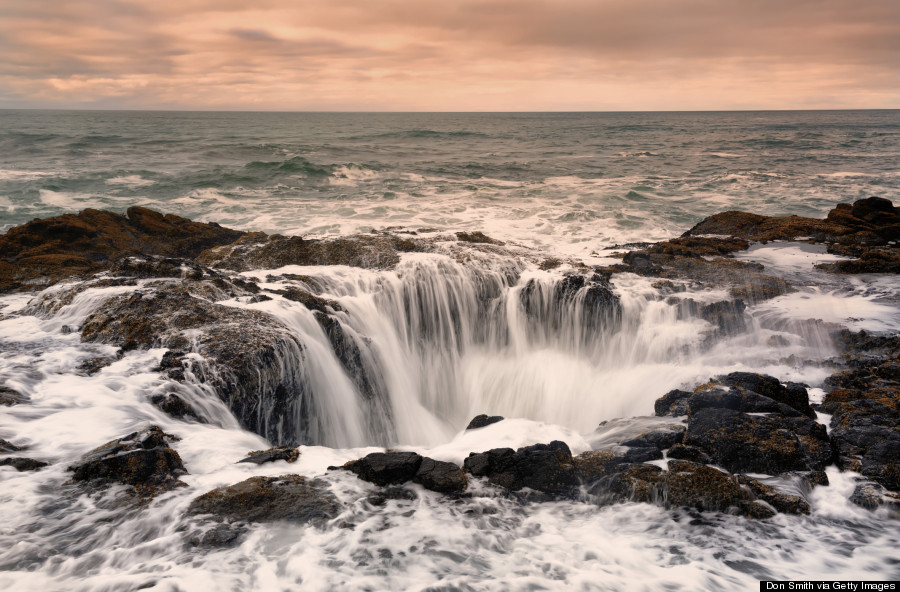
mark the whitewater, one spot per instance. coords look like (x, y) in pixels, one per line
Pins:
(443, 336)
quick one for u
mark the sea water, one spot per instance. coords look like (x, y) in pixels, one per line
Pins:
(564, 185)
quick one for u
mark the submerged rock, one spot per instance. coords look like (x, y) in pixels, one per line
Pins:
(10, 397)
(291, 498)
(23, 464)
(547, 468)
(142, 459)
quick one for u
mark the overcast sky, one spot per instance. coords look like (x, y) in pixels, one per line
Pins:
(450, 55)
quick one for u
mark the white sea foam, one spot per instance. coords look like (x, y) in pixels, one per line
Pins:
(130, 181)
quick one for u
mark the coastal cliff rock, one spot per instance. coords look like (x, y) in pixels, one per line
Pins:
(42, 252)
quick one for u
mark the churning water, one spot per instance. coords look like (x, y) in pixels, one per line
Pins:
(443, 336)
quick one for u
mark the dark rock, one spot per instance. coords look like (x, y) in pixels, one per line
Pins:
(142, 459)
(443, 477)
(91, 366)
(43, 252)
(642, 454)
(705, 488)
(871, 496)
(175, 406)
(674, 403)
(260, 251)
(483, 420)
(219, 536)
(309, 300)
(286, 453)
(593, 465)
(792, 394)
(477, 237)
(386, 468)
(381, 496)
(547, 468)
(23, 464)
(6, 446)
(10, 397)
(745, 443)
(290, 498)
(661, 439)
(691, 453)
(550, 307)
(156, 267)
(783, 502)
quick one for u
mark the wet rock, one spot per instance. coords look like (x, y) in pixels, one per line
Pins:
(172, 363)
(219, 536)
(348, 351)
(660, 439)
(771, 444)
(309, 300)
(386, 468)
(642, 454)
(175, 406)
(7, 446)
(91, 366)
(691, 453)
(477, 237)
(260, 251)
(440, 476)
(674, 403)
(286, 453)
(253, 362)
(727, 316)
(142, 459)
(547, 468)
(156, 267)
(791, 393)
(546, 308)
(871, 496)
(381, 496)
(705, 488)
(42, 252)
(10, 397)
(593, 465)
(23, 464)
(783, 502)
(290, 498)
(483, 420)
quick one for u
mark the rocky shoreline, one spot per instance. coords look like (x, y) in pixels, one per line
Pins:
(710, 453)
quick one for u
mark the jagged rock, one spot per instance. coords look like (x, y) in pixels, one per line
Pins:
(791, 393)
(771, 444)
(674, 403)
(440, 476)
(871, 496)
(483, 420)
(156, 267)
(393, 468)
(175, 406)
(260, 251)
(91, 366)
(661, 439)
(350, 355)
(7, 446)
(309, 300)
(291, 498)
(727, 315)
(386, 468)
(477, 237)
(381, 496)
(142, 459)
(783, 502)
(691, 453)
(286, 453)
(547, 468)
(10, 397)
(705, 488)
(42, 252)
(600, 307)
(219, 536)
(23, 464)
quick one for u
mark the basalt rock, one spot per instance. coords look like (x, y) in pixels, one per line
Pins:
(660, 439)
(483, 420)
(865, 405)
(286, 453)
(175, 406)
(23, 464)
(477, 237)
(261, 251)
(10, 397)
(42, 252)
(599, 308)
(289, 498)
(253, 362)
(7, 446)
(547, 468)
(141, 459)
(394, 468)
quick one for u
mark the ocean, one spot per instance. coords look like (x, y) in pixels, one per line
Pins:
(574, 186)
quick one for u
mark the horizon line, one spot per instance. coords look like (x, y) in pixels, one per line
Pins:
(398, 112)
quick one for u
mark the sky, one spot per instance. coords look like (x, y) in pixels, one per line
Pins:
(450, 55)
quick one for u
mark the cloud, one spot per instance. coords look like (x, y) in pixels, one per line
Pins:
(455, 54)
